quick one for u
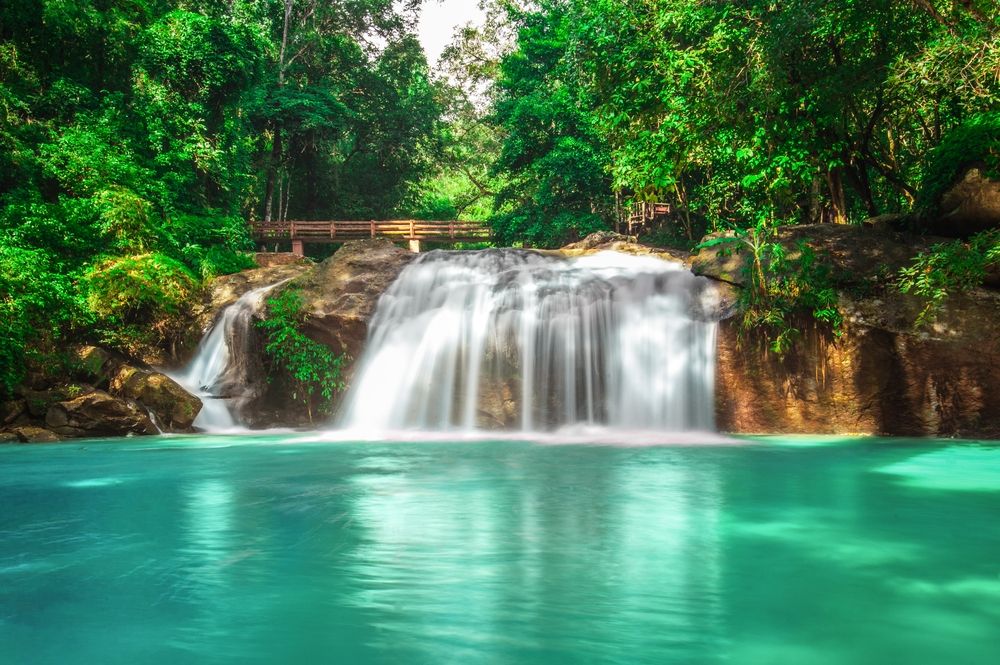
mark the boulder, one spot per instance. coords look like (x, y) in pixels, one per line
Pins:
(39, 401)
(224, 291)
(98, 414)
(173, 408)
(94, 364)
(971, 206)
(608, 241)
(31, 434)
(8, 437)
(340, 295)
(11, 410)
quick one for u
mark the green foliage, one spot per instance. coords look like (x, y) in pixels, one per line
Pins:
(779, 283)
(35, 303)
(137, 137)
(133, 300)
(948, 268)
(973, 143)
(312, 369)
(552, 161)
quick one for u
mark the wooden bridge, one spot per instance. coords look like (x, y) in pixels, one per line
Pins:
(412, 230)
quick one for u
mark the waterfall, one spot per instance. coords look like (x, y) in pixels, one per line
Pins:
(515, 339)
(220, 372)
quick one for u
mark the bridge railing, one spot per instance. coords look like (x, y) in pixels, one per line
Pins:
(338, 231)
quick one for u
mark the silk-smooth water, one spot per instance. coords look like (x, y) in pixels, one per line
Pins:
(285, 549)
(516, 339)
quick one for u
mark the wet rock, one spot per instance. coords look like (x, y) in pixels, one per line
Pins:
(8, 437)
(98, 414)
(31, 434)
(173, 408)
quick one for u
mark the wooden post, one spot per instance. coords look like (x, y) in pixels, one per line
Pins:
(412, 238)
(373, 228)
(298, 248)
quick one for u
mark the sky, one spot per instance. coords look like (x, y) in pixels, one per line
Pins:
(438, 20)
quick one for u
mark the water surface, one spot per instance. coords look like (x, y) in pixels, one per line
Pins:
(275, 549)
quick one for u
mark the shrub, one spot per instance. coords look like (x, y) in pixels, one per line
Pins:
(311, 368)
(975, 142)
(947, 268)
(135, 299)
(35, 302)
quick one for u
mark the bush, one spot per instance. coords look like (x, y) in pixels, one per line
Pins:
(948, 268)
(975, 142)
(135, 299)
(311, 368)
(35, 302)
(777, 286)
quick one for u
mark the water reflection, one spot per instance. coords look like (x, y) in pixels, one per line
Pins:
(531, 557)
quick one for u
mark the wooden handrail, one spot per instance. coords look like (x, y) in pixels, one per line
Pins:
(338, 231)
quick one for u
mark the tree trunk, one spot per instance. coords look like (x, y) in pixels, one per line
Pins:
(838, 205)
(276, 147)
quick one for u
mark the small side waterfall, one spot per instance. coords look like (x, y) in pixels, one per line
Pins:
(220, 373)
(516, 339)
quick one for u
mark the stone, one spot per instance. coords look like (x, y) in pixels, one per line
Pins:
(11, 410)
(98, 414)
(39, 401)
(971, 206)
(608, 241)
(94, 363)
(31, 434)
(8, 437)
(340, 295)
(227, 289)
(173, 408)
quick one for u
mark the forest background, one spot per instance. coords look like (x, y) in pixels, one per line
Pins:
(140, 139)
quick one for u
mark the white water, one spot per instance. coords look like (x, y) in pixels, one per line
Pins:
(219, 372)
(548, 343)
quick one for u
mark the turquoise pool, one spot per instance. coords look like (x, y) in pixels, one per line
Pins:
(280, 549)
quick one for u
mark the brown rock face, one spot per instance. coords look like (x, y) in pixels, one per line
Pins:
(39, 401)
(31, 434)
(98, 414)
(172, 406)
(340, 295)
(879, 377)
(971, 206)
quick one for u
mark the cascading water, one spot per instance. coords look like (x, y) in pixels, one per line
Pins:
(220, 372)
(522, 340)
